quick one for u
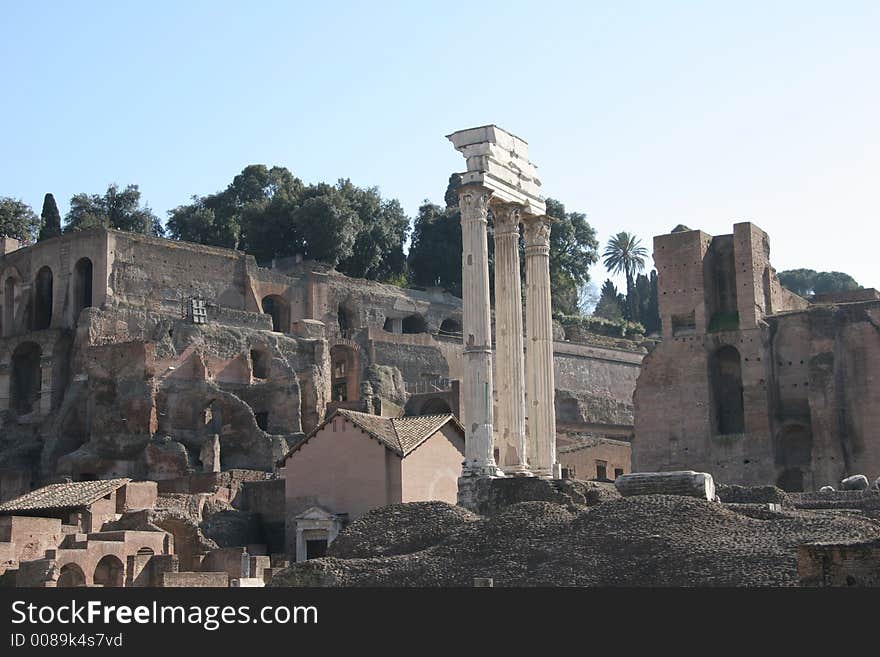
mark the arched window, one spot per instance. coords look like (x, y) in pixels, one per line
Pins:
(276, 306)
(109, 572)
(42, 299)
(26, 378)
(727, 391)
(450, 326)
(414, 324)
(70, 576)
(145, 551)
(82, 285)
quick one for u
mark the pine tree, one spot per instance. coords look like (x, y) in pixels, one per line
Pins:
(50, 219)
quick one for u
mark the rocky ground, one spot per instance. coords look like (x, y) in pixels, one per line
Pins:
(651, 540)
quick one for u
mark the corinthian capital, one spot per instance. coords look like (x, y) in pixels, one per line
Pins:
(507, 217)
(537, 230)
(474, 202)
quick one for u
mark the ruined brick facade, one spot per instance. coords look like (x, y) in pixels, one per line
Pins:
(752, 382)
(125, 356)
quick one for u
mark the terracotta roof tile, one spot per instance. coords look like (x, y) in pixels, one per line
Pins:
(63, 496)
(401, 435)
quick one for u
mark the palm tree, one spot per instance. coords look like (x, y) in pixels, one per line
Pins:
(625, 254)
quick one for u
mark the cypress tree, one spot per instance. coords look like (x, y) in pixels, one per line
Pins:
(50, 219)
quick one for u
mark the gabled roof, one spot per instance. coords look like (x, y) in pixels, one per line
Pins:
(399, 434)
(63, 496)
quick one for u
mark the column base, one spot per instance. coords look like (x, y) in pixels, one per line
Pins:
(518, 471)
(553, 472)
(486, 470)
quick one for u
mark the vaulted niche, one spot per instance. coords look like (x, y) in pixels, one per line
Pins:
(725, 375)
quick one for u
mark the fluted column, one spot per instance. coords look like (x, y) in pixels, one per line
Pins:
(510, 423)
(540, 387)
(476, 333)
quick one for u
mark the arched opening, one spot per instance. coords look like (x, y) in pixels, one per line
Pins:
(276, 306)
(27, 378)
(451, 327)
(82, 285)
(42, 299)
(260, 361)
(9, 306)
(414, 324)
(436, 406)
(344, 364)
(109, 572)
(791, 480)
(794, 455)
(71, 576)
(727, 391)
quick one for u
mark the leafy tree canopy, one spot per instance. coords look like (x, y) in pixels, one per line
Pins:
(116, 208)
(573, 249)
(270, 213)
(17, 220)
(806, 282)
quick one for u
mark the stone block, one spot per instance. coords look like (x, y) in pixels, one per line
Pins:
(855, 482)
(682, 482)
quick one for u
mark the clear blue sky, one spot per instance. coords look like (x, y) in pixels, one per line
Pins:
(642, 115)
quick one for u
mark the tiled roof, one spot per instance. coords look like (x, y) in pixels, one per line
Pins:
(399, 434)
(63, 496)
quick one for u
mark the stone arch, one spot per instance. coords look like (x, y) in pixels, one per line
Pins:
(109, 572)
(43, 294)
(277, 307)
(71, 575)
(451, 326)
(27, 378)
(725, 375)
(82, 285)
(345, 373)
(414, 324)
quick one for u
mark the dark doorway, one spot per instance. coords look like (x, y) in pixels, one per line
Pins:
(414, 324)
(791, 480)
(26, 378)
(43, 299)
(276, 307)
(315, 549)
(727, 391)
(82, 285)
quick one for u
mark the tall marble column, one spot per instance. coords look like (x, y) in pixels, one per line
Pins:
(539, 350)
(510, 422)
(477, 337)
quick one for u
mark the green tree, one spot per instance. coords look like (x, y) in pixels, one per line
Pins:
(799, 281)
(806, 282)
(17, 220)
(609, 304)
(625, 254)
(119, 209)
(50, 219)
(435, 250)
(573, 250)
(270, 213)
